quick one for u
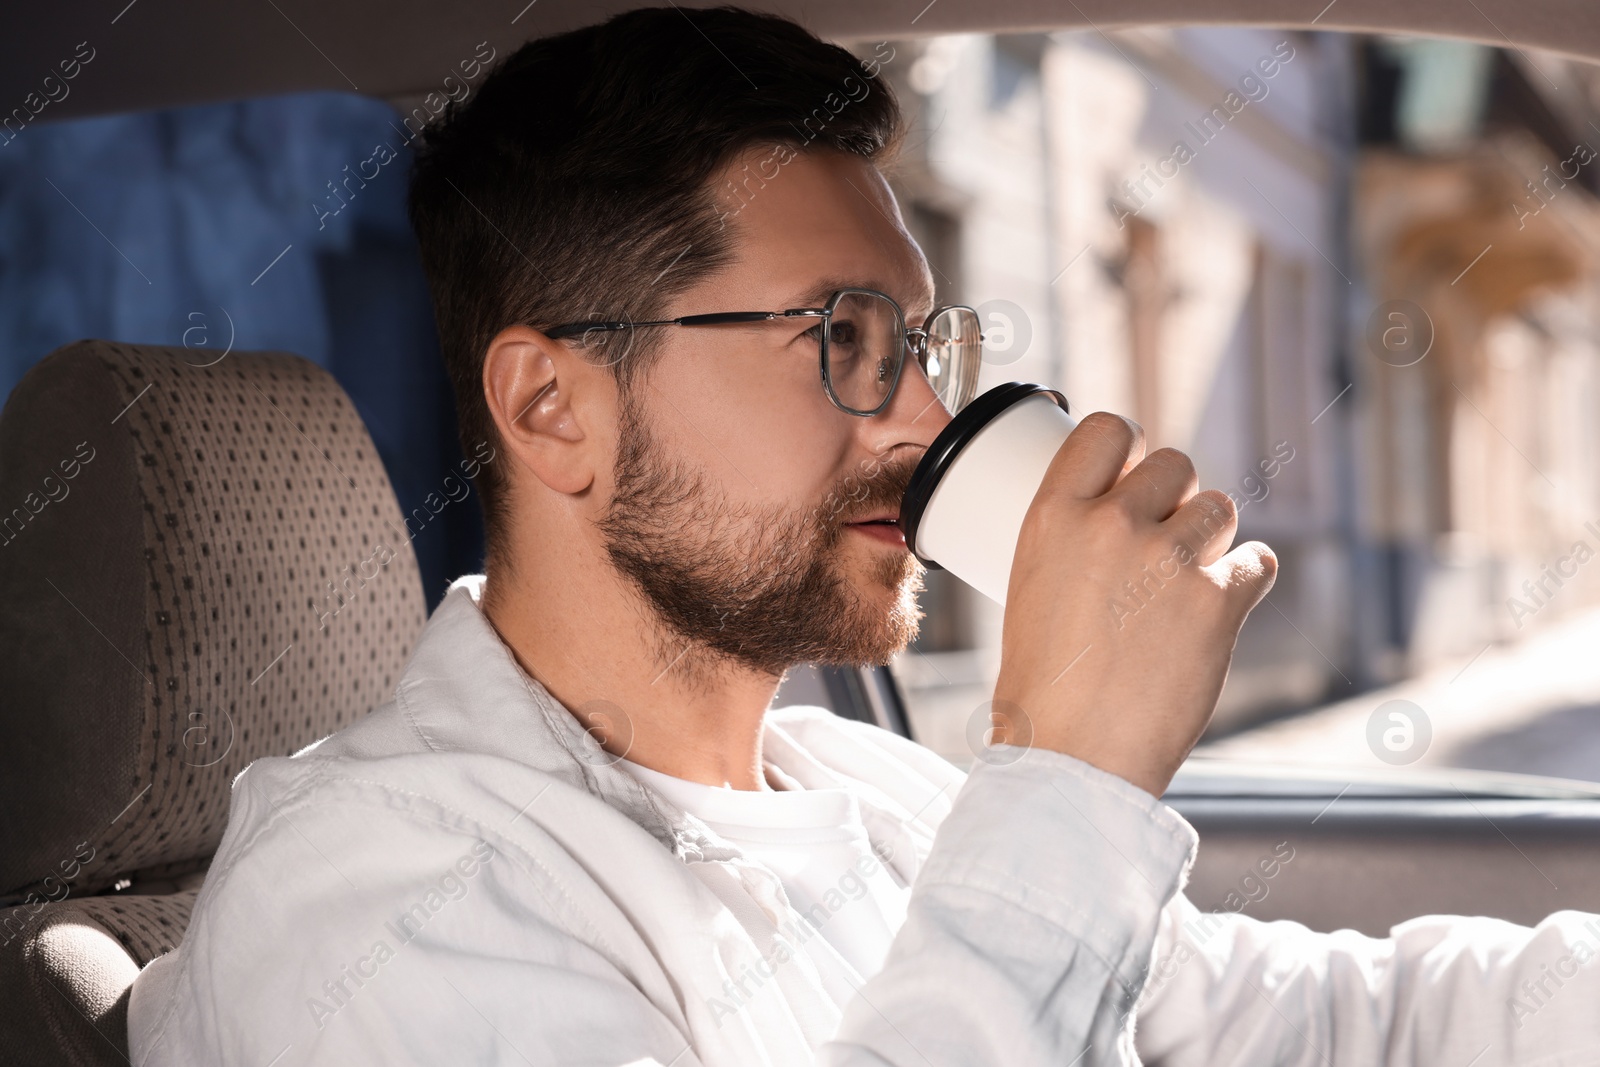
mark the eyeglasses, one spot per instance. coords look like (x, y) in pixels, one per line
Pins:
(863, 340)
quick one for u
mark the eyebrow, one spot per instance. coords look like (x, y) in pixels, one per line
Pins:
(819, 293)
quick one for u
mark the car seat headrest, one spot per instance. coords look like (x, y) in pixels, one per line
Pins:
(201, 563)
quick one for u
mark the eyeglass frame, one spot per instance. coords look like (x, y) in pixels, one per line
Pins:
(913, 338)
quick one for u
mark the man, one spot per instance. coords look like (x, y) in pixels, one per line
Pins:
(577, 835)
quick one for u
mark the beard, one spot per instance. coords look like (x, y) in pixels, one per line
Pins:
(765, 588)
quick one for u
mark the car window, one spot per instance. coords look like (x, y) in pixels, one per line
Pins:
(277, 223)
(1352, 277)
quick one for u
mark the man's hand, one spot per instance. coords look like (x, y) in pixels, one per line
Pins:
(1124, 606)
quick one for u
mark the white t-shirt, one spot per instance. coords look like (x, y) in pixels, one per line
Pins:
(815, 842)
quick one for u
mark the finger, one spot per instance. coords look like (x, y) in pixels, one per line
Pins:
(1206, 523)
(1248, 573)
(1159, 486)
(1099, 450)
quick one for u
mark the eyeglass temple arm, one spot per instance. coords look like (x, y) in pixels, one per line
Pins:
(720, 318)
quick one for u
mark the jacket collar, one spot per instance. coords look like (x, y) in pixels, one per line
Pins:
(463, 691)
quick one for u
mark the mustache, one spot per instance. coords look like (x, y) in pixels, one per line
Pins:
(875, 488)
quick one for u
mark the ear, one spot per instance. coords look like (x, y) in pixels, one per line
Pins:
(539, 392)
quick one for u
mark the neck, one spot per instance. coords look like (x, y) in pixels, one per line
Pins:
(590, 639)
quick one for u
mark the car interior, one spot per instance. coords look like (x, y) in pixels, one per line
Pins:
(225, 488)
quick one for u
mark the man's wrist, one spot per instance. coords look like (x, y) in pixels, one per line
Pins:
(1139, 769)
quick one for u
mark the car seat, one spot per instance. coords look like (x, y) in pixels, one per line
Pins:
(202, 562)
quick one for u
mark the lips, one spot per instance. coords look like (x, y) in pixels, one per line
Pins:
(885, 528)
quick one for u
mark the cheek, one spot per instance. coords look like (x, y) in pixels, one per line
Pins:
(757, 420)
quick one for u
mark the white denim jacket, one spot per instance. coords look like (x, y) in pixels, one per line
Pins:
(464, 877)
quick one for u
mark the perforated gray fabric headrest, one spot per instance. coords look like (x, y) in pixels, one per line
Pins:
(199, 565)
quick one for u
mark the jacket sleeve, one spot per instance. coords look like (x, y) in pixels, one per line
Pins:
(1030, 928)
(1442, 991)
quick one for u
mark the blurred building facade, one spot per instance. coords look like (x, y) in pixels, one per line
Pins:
(1265, 247)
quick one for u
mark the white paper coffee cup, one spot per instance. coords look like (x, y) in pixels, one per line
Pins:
(964, 507)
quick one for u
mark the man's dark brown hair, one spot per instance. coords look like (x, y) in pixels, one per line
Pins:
(576, 184)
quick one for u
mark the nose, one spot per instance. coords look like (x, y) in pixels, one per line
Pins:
(914, 416)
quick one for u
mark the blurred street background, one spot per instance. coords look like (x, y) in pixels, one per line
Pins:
(1528, 707)
(1354, 278)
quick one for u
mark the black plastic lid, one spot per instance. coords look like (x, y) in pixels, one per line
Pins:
(948, 445)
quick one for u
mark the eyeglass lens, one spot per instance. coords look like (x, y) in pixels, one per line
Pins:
(866, 345)
(954, 356)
